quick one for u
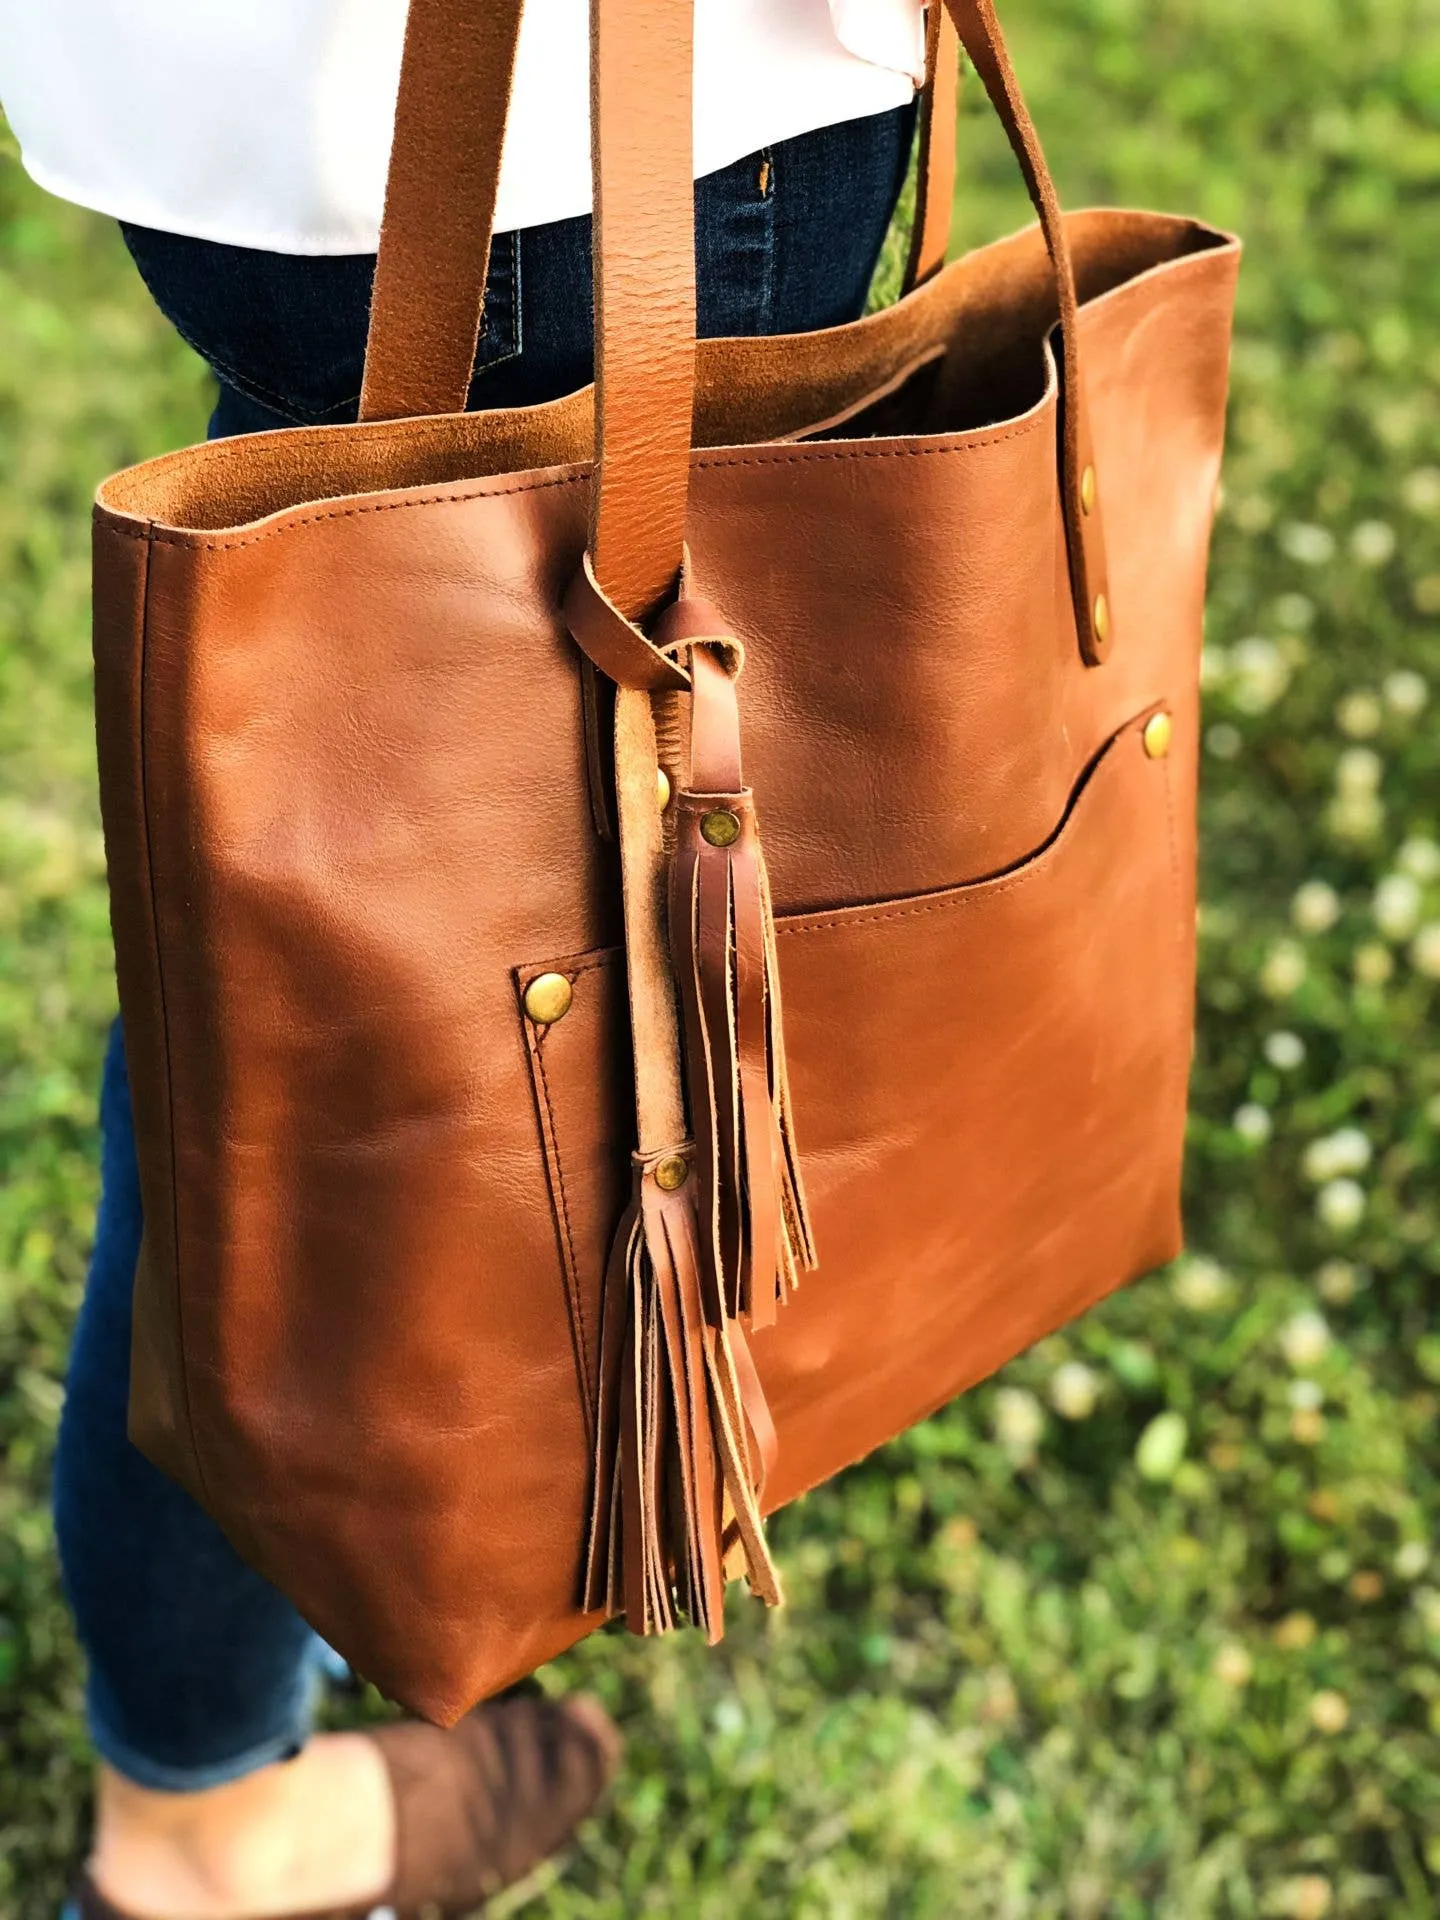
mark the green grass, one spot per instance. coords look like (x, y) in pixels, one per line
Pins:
(1174, 1655)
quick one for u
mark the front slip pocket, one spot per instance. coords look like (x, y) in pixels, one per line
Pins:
(990, 1087)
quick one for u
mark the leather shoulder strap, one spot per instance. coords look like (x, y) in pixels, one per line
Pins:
(935, 173)
(429, 295)
(642, 121)
(459, 62)
(1080, 488)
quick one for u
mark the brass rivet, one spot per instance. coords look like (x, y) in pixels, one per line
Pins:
(548, 998)
(662, 788)
(1087, 490)
(1102, 618)
(721, 828)
(671, 1174)
(1157, 734)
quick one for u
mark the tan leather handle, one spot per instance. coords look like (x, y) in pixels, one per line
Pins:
(935, 172)
(428, 301)
(980, 35)
(429, 292)
(642, 120)
(448, 116)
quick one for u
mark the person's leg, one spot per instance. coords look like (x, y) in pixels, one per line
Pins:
(201, 1674)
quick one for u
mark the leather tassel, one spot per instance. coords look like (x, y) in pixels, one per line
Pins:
(717, 1231)
(754, 1222)
(676, 1484)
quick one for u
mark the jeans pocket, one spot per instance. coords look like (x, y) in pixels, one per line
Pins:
(288, 331)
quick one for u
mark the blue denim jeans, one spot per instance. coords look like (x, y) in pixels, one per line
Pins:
(199, 1671)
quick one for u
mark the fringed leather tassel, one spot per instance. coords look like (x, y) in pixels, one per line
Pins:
(753, 1216)
(716, 1232)
(676, 1485)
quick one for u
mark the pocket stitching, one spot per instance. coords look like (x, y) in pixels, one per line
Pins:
(573, 1258)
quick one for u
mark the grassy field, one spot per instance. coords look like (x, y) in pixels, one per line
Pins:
(1151, 1625)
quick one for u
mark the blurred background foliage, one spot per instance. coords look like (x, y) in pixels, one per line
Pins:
(1150, 1626)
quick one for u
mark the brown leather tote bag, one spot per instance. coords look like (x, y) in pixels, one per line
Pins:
(482, 1178)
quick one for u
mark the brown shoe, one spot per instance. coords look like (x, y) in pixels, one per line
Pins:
(477, 1808)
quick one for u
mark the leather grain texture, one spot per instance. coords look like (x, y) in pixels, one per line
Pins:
(347, 813)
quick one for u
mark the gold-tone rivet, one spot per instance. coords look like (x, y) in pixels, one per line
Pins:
(671, 1174)
(721, 828)
(548, 998)
(1157, 735)
(1102, 618)
(662, 788)
(1088, 490)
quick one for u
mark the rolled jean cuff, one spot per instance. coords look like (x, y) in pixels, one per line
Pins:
(160, 1776)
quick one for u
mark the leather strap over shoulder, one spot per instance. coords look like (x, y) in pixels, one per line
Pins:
(429, 291)
(935, 174)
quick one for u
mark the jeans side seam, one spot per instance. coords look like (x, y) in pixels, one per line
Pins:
(770, 173)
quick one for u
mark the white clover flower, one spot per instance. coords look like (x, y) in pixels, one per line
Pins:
(1359, 770)
(1309, 1896)
(1355, 817)
(1330, 1712)
(1360, 715)
(1340, 1205)
(1284, 971)
(1347, 1150)
(1309, 546)
(1305, 1396)
(1223, 741)
(1373, 543)
(1074, 1390)
(1421, 491)
(1232, 1665)
(1305, 1339)
(1285, 1051)
(1214, 666)
(1374, 964)
(1200, 1283)
(1161, 1446)
(1411, 1560)
(1259, 675)
(1253, 1123)
(1019, 1421)
(1406, 692)
(1420, 858)
(1295, 612)
(1315, 907)
(1396, 906)
(1425, 951)
(1337, 1282)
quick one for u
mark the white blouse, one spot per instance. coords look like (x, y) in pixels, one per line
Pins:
(267, 123)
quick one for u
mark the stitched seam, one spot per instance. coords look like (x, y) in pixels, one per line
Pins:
(179, 538)
(305, 416)
(573, 1289)
(179, 1291)
(804, 455)
(969, 891)
(255, 389)
(514, 343)
(991, 889)
(572, 972)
